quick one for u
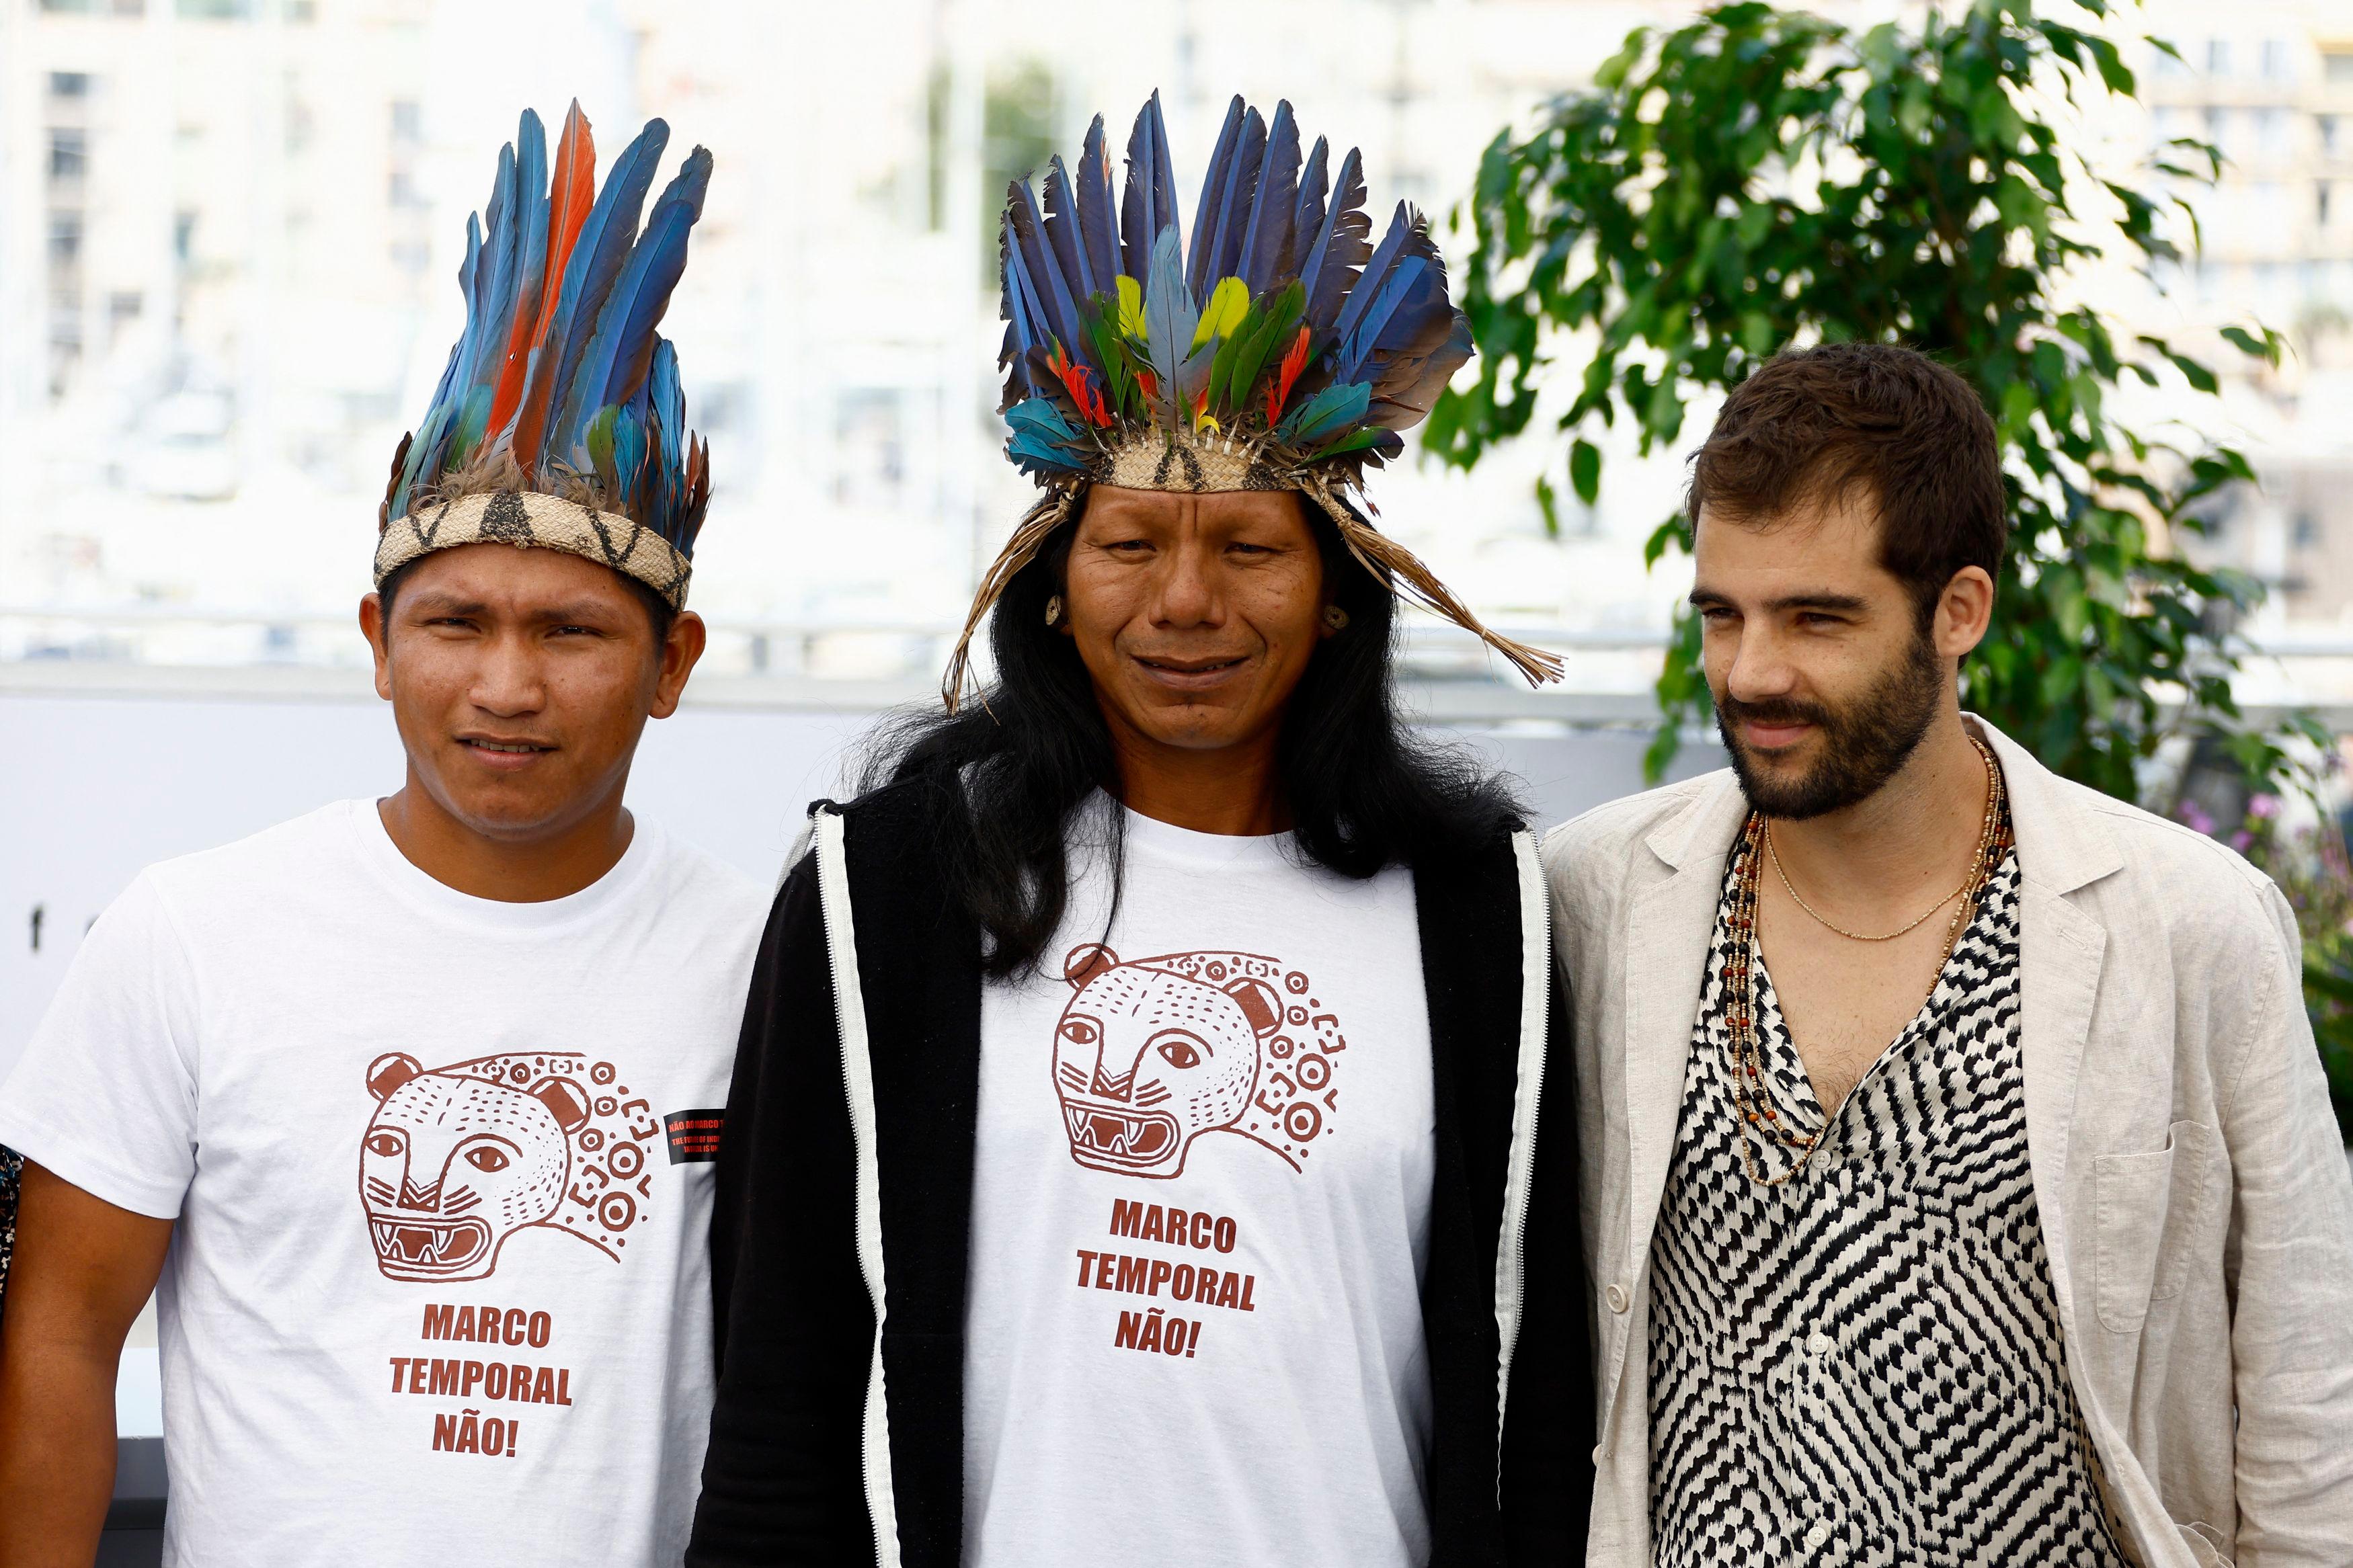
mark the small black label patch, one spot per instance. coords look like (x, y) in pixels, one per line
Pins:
(694, 1135)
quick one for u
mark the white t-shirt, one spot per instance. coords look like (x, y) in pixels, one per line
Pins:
(1200, 1215)
(440, 1290)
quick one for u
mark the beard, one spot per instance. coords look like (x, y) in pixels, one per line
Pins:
(1863, 744)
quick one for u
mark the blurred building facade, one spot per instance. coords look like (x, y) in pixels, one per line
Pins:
(2270, 84)
(229, 230)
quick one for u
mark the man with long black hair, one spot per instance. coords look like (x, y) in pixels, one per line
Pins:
(1145, 1144)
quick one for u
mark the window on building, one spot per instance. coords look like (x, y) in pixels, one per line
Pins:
(2328, 133)
(64, 240)
(400, 190)
(2320, 204)
(301, 10)
(2275, 67)
(408, 120)
(214, 10)
(69, 84)
(184, 236)
(124, 305)
(2336, 66)
(2218, 57)
(69, 154)
(2218, 124)
(2271, 131)
(2306, 530)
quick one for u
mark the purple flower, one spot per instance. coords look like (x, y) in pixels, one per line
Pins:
(2194, 816)
(2263, 806)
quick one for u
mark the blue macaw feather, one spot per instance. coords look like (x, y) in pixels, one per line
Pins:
(530, 246)
(595, 261)
(1170, 318)
(618, 350)
(460, 371)
(1226, 195)
(1326, 415)
(666, 396)
(629, 458)
(1307, 221)
(1024, 231)
(1149, 204)
(1368, 282)
(1025, 326)
(1264, 254)
(489, 292)
(1357, 347)
(649, 289)
(1341, 245)
(1061, 230)
(1098, 212)
(1038, 418)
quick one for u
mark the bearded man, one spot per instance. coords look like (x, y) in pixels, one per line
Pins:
(1961, 1185)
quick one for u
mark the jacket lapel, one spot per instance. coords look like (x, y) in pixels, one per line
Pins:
(1667, 935)
(2064, 846)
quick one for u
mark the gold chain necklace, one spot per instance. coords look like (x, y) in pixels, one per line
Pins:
(1752, 1105)
(1910, 926)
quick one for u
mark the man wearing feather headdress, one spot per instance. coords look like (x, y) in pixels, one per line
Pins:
(1141, 1149)
(410, 1103)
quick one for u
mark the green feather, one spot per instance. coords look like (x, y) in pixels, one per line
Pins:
(1274, 327)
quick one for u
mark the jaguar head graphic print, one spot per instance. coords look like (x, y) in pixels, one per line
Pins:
(456, 1159)
(1151, 1054)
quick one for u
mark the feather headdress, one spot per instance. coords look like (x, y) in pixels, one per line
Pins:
(560, 421)
(1283, 350)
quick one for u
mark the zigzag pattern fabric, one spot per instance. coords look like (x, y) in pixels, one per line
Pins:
(1865, 1366)
(560, 384)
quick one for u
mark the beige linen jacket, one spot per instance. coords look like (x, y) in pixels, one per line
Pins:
(2194, 1197)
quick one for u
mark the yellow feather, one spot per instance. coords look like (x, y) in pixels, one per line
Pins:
(1131, 307)
(1228, 303)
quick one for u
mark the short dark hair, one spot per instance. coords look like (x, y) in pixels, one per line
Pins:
(658, 612)
(1819, 422)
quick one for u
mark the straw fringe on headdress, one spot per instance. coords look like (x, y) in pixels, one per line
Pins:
(560, 422)
(1285, 353)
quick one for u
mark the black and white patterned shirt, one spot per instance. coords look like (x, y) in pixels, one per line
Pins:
(1865, 1365)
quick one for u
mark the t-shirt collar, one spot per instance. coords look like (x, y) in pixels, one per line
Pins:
(427, 893)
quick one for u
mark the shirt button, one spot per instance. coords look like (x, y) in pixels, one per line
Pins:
(1818, 1344)
(1817, 1533)
(1616, 1297)
(1821, 1161)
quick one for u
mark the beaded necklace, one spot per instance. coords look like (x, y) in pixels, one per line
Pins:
(1751, 1105)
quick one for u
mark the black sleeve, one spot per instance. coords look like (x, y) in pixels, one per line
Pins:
(1548, 1425)
(793, 1327)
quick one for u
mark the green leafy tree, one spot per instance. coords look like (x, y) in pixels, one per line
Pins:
(1760, 178)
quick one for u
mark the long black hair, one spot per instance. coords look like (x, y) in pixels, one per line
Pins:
(1365, 792)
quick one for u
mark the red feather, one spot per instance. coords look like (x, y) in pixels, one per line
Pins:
(1278, 391)
(1079, 380)
(570, 195)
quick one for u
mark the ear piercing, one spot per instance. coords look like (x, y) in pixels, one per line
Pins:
(1054, 610)
(1334, 618)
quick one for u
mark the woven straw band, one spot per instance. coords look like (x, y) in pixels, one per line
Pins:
(1208, 469)
(529, 520)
